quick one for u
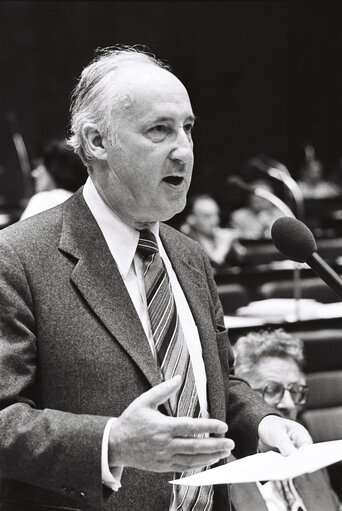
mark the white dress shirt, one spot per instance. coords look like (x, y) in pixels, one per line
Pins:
(122, 241)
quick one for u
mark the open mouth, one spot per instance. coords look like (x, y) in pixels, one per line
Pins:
(174, 180)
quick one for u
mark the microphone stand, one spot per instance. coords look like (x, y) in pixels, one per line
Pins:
(290, 183)
(278, 203)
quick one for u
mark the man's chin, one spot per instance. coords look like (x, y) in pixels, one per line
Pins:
(162, 212)
(169, 212)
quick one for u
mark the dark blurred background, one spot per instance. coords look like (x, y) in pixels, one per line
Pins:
(263, 75)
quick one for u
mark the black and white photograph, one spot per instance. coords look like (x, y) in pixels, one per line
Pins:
(171, 255)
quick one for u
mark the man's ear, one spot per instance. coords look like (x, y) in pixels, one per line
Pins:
(94, 141)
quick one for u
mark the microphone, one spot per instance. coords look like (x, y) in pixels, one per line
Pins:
(295, 240)
(260, 192)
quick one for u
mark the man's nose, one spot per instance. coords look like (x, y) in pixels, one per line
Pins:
(286, 401)
(183, 146)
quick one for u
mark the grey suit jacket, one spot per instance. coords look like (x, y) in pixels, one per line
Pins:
(73, 353)
(314, 490)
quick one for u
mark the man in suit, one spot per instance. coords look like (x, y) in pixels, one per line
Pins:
(272, 362)
(95, 413)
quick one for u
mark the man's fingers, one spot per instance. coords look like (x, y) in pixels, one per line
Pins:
(291, 437)
(183, 462)
(202, 445)
(283, 434)
(300, 436)
(187, 426)
(160, 393)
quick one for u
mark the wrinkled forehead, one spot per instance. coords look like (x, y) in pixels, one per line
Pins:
(278, 369)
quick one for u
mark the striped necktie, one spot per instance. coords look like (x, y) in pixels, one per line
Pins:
(290, 496)
(173, 358)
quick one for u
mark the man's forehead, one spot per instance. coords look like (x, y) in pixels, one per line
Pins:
(276, 369)
(145, 83)
(149, 109)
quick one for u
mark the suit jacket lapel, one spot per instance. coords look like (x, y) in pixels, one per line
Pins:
(97, 278)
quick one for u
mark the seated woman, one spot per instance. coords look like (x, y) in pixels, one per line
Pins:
(272, 363)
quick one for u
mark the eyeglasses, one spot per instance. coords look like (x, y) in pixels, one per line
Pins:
(274, 391)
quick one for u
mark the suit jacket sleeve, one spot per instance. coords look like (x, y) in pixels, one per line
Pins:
(58, 450)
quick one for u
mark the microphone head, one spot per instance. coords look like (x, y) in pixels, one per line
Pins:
(293, 239)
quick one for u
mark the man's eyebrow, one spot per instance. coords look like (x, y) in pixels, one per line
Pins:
(191, 118)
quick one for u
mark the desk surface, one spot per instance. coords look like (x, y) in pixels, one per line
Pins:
(323, 316)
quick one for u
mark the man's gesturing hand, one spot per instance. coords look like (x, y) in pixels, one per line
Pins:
(144, 438)
(282, 434)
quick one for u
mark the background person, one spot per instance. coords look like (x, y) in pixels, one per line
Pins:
(272, 363)
(58, 174)
(203, 225)
(254, 221)
(114, 354)
(312, 181)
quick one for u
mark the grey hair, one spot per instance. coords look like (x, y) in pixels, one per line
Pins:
(250, 348)
(94, 98)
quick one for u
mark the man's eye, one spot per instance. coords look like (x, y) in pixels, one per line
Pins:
(159, 132)
(188, 128)
(161, 128)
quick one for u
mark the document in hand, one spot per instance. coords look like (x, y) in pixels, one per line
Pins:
(269, 466)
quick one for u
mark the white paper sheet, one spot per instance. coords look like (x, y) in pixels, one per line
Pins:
(269, 466)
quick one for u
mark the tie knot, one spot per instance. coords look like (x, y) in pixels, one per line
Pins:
(147, 244)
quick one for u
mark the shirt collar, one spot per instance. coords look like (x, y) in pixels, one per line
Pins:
(121, 239)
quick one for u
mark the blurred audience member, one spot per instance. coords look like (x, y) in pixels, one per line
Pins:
(59, 173)
(254, 221)
(272, 363)
(311, 178)
(203, 225)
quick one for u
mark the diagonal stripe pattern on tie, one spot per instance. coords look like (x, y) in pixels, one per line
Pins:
(173, 357)
(289, 496)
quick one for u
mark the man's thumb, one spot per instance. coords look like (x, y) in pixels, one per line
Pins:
(161, 393)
